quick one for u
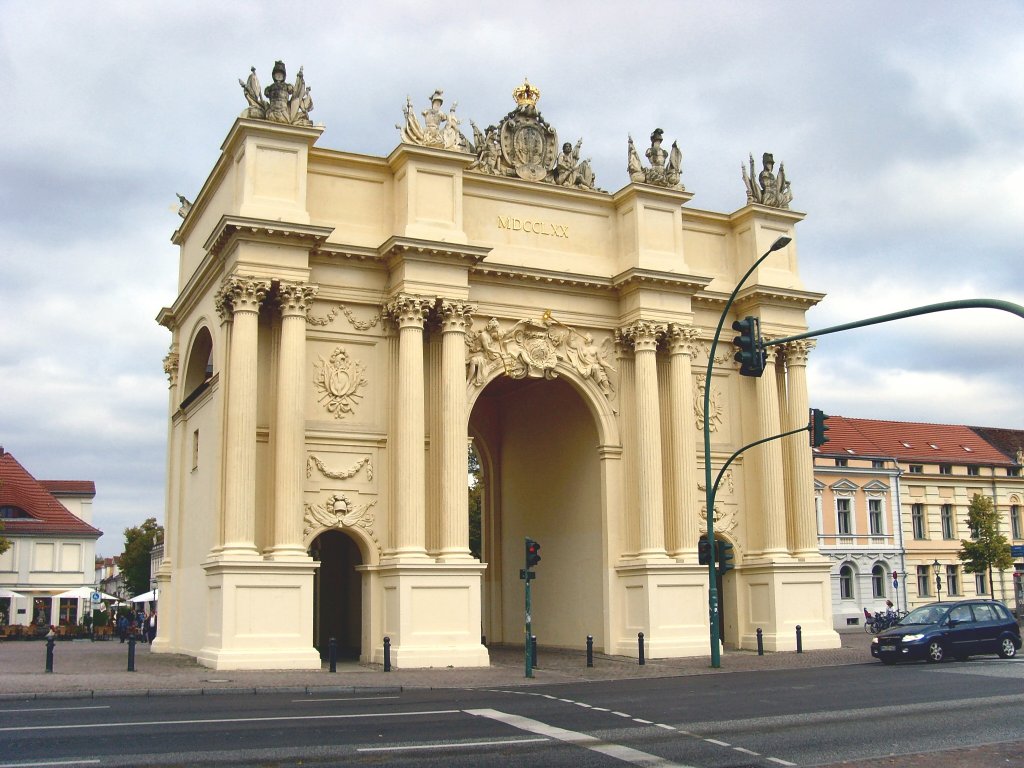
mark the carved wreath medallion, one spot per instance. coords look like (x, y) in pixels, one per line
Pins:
(339, 380)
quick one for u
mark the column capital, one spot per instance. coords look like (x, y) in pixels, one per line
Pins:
(240, 294)
(454, 315)
(171, 362)
(796, 352)
(407, 310)
(295, 299)
(682, 339)
(643, 335)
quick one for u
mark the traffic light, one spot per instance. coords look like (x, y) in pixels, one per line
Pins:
(750, 355)
(532, 553)
(725, 557)
(818, 427)
(703, 551)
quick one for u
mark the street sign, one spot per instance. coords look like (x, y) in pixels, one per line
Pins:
(1017, 550)
(895, 583)
(95, 597)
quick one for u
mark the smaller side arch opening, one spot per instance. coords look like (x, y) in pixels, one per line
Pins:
(199, 368)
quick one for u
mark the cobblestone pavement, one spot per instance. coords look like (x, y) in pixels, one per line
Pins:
(84, 668)
(1007, 753)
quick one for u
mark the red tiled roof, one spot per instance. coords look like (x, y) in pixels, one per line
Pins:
(77, 487)
(47, 515)
(910, 441)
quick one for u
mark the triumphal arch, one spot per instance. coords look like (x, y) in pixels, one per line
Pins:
(348, 328)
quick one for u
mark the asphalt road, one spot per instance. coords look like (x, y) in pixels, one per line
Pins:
(803, 717)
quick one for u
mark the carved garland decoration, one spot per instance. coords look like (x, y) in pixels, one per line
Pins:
(313, 461)
(338, 380)
(359, 325)
(338, 513)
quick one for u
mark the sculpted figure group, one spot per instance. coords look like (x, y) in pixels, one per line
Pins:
(766, 188)
(280, 102)
(665, 168)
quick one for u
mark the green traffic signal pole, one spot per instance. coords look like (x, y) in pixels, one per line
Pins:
(709, 489)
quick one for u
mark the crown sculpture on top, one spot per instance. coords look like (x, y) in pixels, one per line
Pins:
(283, 103)
(666, 166)
(523, 145)
(766, 188)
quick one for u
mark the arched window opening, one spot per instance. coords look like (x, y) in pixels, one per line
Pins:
(878, 581)
(846, 583)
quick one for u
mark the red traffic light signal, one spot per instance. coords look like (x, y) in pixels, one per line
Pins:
(532, 553)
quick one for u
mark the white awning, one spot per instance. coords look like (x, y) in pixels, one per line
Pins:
(147, 597)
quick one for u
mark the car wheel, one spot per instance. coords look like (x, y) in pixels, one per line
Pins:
(936, 652)
(1007, 650)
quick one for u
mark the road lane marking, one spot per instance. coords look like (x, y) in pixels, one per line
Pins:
(719, 743)
(777, 760)
(357, 698)
(747, 751)
(616, 751)
(216, 720)
(56, 762)
(495, 743)
(54, 709)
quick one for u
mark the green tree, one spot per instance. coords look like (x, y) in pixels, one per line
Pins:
(138, 544)
(476, 487)
(987, 548)
(5, 543)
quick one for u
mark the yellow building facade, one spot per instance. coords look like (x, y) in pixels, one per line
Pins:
(347, 325)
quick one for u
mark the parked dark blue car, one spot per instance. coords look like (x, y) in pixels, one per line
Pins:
(958, 630)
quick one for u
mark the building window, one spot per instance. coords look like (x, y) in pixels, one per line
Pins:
(877, 581)
(846, 583)
(945, 469)
(877, 464)
(1013, 472)
(924, 584)
(841, 462)
(875, 517)
(952, 579)
(948, 523)
(916, 469)
(973, 471)
(1015, 522)
(980, 585)
(843, 522)
(917, 518)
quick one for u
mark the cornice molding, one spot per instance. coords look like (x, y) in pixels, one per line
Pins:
(409, 247)
(242, 228)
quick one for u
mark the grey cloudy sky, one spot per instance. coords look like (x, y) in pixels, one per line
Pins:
(901, 126)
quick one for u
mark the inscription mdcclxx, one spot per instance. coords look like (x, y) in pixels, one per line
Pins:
(545, 228)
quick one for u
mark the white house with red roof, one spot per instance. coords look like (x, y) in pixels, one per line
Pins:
(53, 545)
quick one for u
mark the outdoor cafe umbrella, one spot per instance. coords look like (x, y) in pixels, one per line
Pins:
(10, 593)
(147, 597)
(84, 593)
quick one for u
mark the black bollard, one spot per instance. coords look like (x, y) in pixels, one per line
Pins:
(590, 650)
(760, 642)
(332, 654)
(387, 654)
(799, 640)
(640, 642)
(131, 653)
(533, 651)
(50, 641)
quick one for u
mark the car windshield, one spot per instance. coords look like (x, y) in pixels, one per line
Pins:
(926, 614)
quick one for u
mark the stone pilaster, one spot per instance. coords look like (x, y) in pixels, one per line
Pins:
(800, 460)
(644, 337)
(294, 299)
(408, 537)
(681, 518)
(454, 522)
(773, 497)
(241, 298)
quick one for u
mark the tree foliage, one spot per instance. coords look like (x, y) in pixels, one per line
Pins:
(5, 543)
(987, 548)
(138, 545)
(476, 487)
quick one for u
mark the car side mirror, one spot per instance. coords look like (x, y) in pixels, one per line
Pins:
(953, 622)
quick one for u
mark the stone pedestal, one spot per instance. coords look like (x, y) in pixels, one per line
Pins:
(668, 602)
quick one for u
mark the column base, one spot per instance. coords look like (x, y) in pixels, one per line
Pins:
(668, 602)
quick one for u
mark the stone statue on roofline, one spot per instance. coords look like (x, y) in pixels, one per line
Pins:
(279, 102)
(766, 188)
(438, 130)
(666, 165)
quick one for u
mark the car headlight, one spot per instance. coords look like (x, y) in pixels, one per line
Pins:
(874, 641)
(912, 638)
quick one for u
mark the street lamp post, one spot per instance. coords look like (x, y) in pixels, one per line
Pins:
(716, 660)
(938, 580)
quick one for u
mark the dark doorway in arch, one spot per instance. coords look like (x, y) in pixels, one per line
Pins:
(337, 594)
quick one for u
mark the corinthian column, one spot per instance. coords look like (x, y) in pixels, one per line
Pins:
(681, 526)
(171, 363)
(801, 470)
(290, 422)
(409, 535)
(644, 336)
(454, 538)
(241, 297)
(773, 496)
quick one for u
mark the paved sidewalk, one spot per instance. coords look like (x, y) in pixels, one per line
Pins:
(82, 668)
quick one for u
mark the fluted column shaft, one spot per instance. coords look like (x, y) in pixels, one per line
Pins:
(173, 512)
(242, 297)
(290, 421)
(409, 536)
(454, 538)
(681, 526)
(773, 496)
(648, 417)
(801, 461)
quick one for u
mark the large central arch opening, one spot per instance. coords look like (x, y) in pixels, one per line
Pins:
(541, 473)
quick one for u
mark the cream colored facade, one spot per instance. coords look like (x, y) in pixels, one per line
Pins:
(346, 323)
